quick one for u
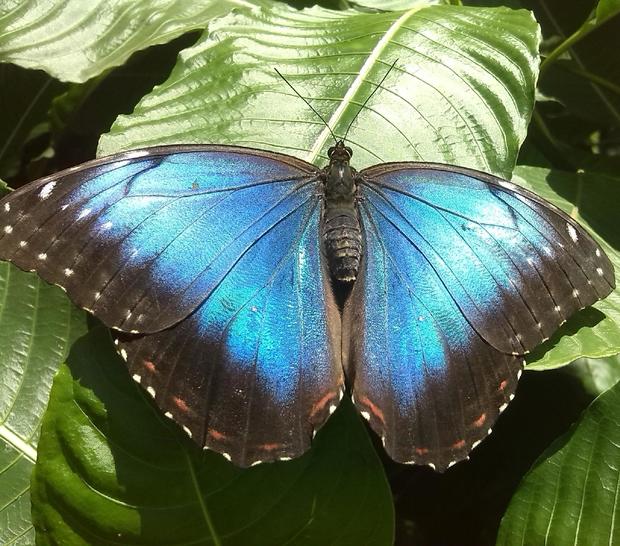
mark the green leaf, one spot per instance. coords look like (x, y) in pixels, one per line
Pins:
(605, 10)
(37, 326)
(460, 92)
(591, 199)
(112, 469)
(75, 41)
(572, 495)
(396, 5)
(596, 375)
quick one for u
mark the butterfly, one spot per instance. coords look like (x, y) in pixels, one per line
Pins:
(219, 269)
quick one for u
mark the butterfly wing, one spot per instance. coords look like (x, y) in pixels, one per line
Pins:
(139, 238)
(463, 274)
(209, 255)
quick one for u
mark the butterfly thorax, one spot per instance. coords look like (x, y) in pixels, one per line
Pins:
(340, 229)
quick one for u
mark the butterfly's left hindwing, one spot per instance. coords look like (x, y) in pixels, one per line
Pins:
(255, 370)
(463, 274)
(207, 258)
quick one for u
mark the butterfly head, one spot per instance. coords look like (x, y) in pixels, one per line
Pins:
(339, 152)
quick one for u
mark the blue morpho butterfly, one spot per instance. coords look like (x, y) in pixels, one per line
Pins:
(218, 267)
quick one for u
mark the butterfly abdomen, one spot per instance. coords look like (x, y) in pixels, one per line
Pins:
(342, 239)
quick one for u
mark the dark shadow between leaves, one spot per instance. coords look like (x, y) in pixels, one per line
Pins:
(474, 494)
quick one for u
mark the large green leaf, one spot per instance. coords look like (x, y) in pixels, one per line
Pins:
(112, 469)
(37, 326)
(572, 495)
(460, 92)
(592, 200)
(75, 40)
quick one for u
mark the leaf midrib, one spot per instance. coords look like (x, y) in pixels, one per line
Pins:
(347, 100)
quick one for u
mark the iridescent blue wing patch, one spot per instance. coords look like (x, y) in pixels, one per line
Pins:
(462, 275)
(207, 258)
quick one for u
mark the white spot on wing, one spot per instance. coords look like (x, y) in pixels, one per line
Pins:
(256, 462)
(8, 229)
(227, 456)
(68, 272)
(124, 354)
(106, 225)
(599, 271)
(169, 415)
(558, 308)
(151, 391)
(22, 244)
(451, 464)
(47, 190)
(476, 444)
(572, 232)
(365, 415)
(597, 252)
(136, 153)
(137, 378)
(575, 293)
(42, 256)
(7, 207)
(284, 459)
(503, 407)
(432, 466)
(187, 431)
(83, 213)
(332, 409)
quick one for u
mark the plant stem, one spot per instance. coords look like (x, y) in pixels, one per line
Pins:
(594, 78)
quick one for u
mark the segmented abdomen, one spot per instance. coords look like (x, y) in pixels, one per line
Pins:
(342, 237)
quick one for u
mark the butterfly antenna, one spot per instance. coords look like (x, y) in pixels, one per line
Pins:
(368, 98)
(309, 105)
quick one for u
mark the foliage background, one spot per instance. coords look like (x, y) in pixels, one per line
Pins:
(109, 470)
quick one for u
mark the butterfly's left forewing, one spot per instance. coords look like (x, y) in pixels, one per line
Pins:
(139, 238)
(463, 274)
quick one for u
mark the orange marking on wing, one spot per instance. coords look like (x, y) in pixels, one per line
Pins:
(149, 366)
(421, 450)
(320, 405)
(480, 421)
(269, 447)
(180, 404)
(503, 384)
(373, 408)
(458, 445)
(216, 434)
